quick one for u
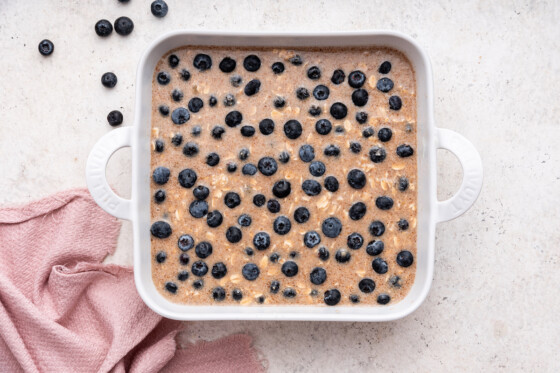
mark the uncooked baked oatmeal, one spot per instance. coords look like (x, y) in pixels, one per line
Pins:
(283, 176)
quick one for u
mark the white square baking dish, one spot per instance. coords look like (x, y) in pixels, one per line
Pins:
(430, 211)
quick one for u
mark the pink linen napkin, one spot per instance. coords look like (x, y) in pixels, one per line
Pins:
(61, 310)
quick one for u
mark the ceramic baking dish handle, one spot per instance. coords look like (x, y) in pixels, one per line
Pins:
(472, 175)
(95, 173)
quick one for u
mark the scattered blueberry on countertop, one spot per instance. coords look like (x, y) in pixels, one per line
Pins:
(109, 80)
(115, 118)
(124, 26)
(103, 28)
(159, 8)
(46, 47)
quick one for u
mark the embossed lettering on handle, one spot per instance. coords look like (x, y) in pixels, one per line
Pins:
(472, 175)
(95, 173)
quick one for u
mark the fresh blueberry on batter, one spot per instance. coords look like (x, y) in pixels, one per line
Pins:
(232, 200)
(289, 293)
(161, 175)
(402, 183)
(331, 297)
(252, 63)
(404, 151)
(385, 67)
(379, 266)
(233, 118)
(177, 139)
(311, 239)
(235, 80)
(355, 147)
(377, 228)
(318, 275)
(377, 154)
(323, 126)
(306, 153)
(212, 159)
(375, 247)
(332, 151)
(360, 97)
(160, 229)
(229, 100)
(244, 220)
(282, 188)
(277, 68)
(279, 102)
(273, 206)
(198, 209)
(302, 93)
(311, 187)
(366, 285)
(177, 96)
(384, 202)
(290, 268)
(266, 126)
(173, 61)
(159, 146)
(367, 132)
(356, 178)
(356, 79)
(321, 92)
(282, 225)
(249, 169)
(190, 149)
(250, 271)
(296, 60)
(183, 276)
(195, 104)
(219, 270)
(314, 73)
(293, 129)
(202, 62)
(201, 192)
(249, 251)
(184, 259)
(261, 241)
(323, 253)
(274, 257)
(198, 284)
(180, 116)
(163, 110)
(317, 168)
(395, 281)
(171, 287)
(385, 134)
(338, 110)
(357, 211)
(314, 110)
(267, 166)
(185, 242)
(405, 258)
(236, 294)
(355, 241)
(361, 117)
(163, 78)
(247, 131)
(217, 132)
(385, 85)
(395, 103)
(354, 298)
(301, 215)
(338, 77)
(383, 298)
(203, 250)
(227, 65)
(161, 256)
(284, 157)
(219, 294)
(259, 200)
(252, 87)
(159, 196)
(243, 154)
(185, 75)
(331, 227)
(196, 131)
(342, 256)
(403, 224)
(214, 219)
(212, 101)
(274, 287)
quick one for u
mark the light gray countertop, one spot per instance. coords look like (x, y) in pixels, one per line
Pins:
(494, 302)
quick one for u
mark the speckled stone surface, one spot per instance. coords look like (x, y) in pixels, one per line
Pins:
(494, 302)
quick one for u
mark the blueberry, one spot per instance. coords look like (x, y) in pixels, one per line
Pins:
(232, 200)
(217, 132)
(356, 178)
(184, 259)
(385, 67)
(229, 100)
(289, 293)
(331, 184)
(331, 227)
(317, 168)
(356, 79)
(235, 80)
(219, 294)
(323, 253)
(403, 224)
(198, 284)
(250, 271)
(405, 258)
(306, 153)
(267, 166)
(161, 256)
(311, 239)
(183, 276)
(404, 151)
(115, 118)
(185, 75)
(301, 215)
(236, 294)
(164, 110)
(252, 63)
(377, 228)
(160, 229)
(259, 200)
(202, 62)
(321, 92)
(196, 130)
(296, 60)
(279, 102)
(124, 26)
(219, 270)
(332, 151)
(284, 157)
(314, 110)
(231, 167)
(198, 209)
(282, 188)
(339, 129)
(249, 251)
(190, 149)
(277, 68)
(361, 117)
(163, 78)
(385, 85)
(379, 266)
(357, 211)
(203, 249)
(260, 299)
(368, 132)
(302, 93)
(274, 287)
(375, 247)
(252, 87)
(103, 28)
(247, 131)
(161, 175)
(185, 242)
(214, 219)
(395, 103)
(173, 61)
(273, 206)
(292, 129)
(338, 77)
(314, 73)
(244, 220)
(227, 65)
(290, 268)
(180, 115)
(384, 202)
(249, 169)
(355, 147)
(159, 146)
(293, 254)
(243, 154)
(274, 257)
(159, 196)
(177, 139)
(261, 241)
(395, 281)
(109, 80)
(311, 187)
(342, 256)
(339, 110)
(212, 101)
(201, 192)
(331, 297)
(266, 126)
(355, 241)
(171, 287)
(212, 159)
(360, 97)
(195, 104)
(377, 154)
(159, 8)
(354, 298)
(383, 298)
(402, 183)
(282, 225)
(366, 285)
(318, 275)
(323, 126)
(385, 134)
(233, 118)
